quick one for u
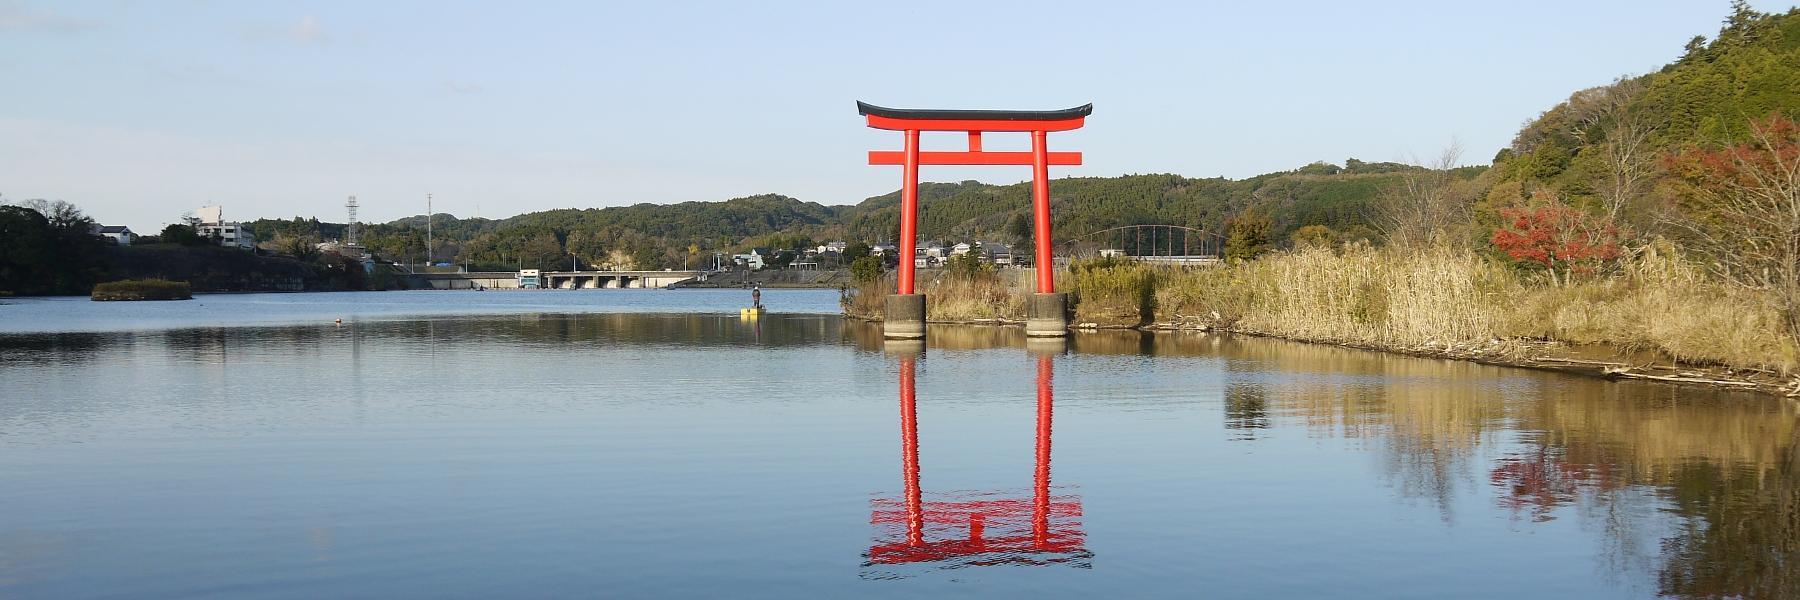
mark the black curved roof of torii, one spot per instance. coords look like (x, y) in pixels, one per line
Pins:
(864, 108)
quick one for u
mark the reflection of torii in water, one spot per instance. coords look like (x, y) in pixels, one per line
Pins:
(982, 528)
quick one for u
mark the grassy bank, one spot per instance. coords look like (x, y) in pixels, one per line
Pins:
(953, 298)
(1448, 298)
(143, 289)
(1440, 300)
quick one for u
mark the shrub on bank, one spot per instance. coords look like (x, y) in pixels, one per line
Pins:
(143, 289)
(1113, 291)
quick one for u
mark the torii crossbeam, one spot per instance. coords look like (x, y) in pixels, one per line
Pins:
(905, 309)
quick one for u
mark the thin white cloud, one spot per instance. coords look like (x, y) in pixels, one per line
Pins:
(307, 30)
(17, 16)
(462, 87)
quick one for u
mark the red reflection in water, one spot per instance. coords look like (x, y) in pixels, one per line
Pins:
(976, 528)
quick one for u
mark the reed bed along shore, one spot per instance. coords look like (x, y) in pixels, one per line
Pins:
(1436, 300)
(1442, 297)
(142, 289)
(989, 297)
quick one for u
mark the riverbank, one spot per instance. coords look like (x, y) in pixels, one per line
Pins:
(1657, 317)
(782, 278)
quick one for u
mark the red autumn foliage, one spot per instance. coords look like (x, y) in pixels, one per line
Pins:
(1773, 150)
(1558, 236)
(1542, 480)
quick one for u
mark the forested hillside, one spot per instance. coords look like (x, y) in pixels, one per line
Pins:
(1604, 151)
(685, 234)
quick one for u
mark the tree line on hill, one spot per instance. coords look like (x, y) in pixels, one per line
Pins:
(1582, 183)
(1609, 168)
(51, 248)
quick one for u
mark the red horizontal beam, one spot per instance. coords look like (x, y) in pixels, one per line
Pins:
(895, 157)
(1058, 542)
(894, 124)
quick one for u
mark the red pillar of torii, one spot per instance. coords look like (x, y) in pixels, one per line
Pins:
(983, 528)
(906, 310)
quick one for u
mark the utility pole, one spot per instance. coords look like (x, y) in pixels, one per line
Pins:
(428, 230)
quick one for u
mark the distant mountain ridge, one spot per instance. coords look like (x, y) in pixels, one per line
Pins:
(1598, 149)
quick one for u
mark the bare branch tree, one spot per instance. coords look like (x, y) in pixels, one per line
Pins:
(1624, 140)
(1425, 207)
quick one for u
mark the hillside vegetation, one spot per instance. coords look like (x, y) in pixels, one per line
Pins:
(1657, 213)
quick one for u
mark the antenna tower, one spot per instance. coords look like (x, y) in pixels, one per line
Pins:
(350, 237)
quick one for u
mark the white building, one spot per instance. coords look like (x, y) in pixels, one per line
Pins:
(231, 234)
(960, 249)
(753, 260)
(117, 233)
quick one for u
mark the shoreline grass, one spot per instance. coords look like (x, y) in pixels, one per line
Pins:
(1403, 300)
(142, 289)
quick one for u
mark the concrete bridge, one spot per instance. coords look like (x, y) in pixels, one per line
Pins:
(566, 280)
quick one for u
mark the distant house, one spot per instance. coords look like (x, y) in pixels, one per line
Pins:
(932, 256)
(999, 254)
(833, 247)
(961, 248)
(881, 249)
(755, 259)
(119, 234)
(750, 260)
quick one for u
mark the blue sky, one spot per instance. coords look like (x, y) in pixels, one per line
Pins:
(140, 111)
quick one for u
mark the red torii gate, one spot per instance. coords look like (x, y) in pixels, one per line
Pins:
(905, 309)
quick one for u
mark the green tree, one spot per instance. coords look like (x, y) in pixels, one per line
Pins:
(1019, 228)
(1314, 235)
(543, 251)
(26, 250)
(303, 246)
(1249, 236)
(967, 266)
(866, 268)
(855, 251)
(48, 247)
(181, 234)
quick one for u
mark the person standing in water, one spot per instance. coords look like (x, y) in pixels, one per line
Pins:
(756, 297)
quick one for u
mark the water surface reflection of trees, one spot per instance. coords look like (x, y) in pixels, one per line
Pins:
(1622, 457)
(1694, 485)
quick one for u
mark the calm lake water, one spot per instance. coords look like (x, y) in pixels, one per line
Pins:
(622, 443)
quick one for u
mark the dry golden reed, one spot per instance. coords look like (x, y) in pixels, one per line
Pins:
(1403, 299)
(1436, 296)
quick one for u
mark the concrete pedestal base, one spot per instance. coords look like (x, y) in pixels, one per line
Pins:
(1047, 346)
(1047, 316)
(905, 318)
